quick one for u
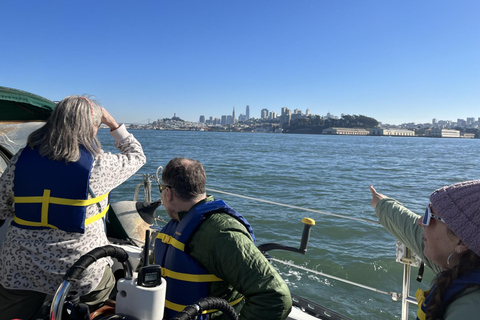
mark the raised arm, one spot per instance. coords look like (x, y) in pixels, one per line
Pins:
(401, 223)
(112, 169)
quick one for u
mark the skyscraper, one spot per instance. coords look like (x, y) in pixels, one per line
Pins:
(233, 115)
(264, 114)
(247, 113)
(286, 117)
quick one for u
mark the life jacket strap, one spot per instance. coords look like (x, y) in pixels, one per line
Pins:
(167, 239)
(189, 277)
(46, 200)
(96, 217)
(420, 297)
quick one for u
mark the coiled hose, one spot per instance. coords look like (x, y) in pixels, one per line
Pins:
(193, 310)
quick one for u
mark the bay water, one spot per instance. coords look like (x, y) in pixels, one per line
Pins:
(325, 173)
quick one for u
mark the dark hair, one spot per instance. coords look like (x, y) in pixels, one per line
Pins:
(469, 262)
(186, 177)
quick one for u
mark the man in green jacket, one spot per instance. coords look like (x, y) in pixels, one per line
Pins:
(206, 239)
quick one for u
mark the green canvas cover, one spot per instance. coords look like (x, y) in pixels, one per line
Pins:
(18, 105)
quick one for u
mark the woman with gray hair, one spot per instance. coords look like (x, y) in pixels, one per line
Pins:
(56, 189)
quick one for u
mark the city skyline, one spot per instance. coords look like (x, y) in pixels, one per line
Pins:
(398, 62)
(329, 124)
(467, 120)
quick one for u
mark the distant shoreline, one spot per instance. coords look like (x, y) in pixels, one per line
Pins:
(303, 132)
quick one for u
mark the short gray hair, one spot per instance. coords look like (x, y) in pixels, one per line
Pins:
(70, 125)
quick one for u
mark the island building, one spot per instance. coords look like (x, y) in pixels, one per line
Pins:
(392, 132)
(442, 133)
(346, 131)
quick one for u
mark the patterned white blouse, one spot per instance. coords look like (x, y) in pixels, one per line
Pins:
(38, 259)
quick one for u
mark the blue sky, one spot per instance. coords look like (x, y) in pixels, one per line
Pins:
(396, 61)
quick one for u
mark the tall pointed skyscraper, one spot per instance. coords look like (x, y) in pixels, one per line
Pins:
(233, 115)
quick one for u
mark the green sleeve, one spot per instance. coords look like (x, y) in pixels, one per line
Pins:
(465, 306)
(224, 247)
(402, 224)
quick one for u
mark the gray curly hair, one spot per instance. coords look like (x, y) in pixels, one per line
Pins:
(71, 124)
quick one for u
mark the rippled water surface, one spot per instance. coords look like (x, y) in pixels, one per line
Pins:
(325, 173)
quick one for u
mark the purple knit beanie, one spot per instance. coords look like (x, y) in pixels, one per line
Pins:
(459, 205)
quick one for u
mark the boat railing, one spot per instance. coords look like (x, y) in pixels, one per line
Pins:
(147, 185)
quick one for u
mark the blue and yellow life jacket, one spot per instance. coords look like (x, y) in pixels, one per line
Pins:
(53, 194)
(187, 280)
(461, 283)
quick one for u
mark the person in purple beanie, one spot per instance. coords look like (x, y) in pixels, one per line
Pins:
(447, 239)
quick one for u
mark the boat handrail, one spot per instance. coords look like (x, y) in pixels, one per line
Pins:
(296, 207)
(404, 296)
(394, 295)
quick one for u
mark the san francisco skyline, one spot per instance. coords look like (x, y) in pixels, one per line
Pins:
(398, 62)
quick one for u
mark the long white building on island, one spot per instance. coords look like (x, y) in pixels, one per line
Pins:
(392, 132)
(346, 131)
(442, 133)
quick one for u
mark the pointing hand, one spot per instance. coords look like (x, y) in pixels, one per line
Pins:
(376, 197)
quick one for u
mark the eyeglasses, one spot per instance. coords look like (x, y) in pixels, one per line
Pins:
(429, 215)
(163, 187)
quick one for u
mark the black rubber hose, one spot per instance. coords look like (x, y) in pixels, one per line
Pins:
(118, 316)
(87, 259)
(191, 311)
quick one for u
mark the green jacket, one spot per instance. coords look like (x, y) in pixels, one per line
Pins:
(401, 223)
(225, 248)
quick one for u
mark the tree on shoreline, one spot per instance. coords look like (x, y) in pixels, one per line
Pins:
(316, 124)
